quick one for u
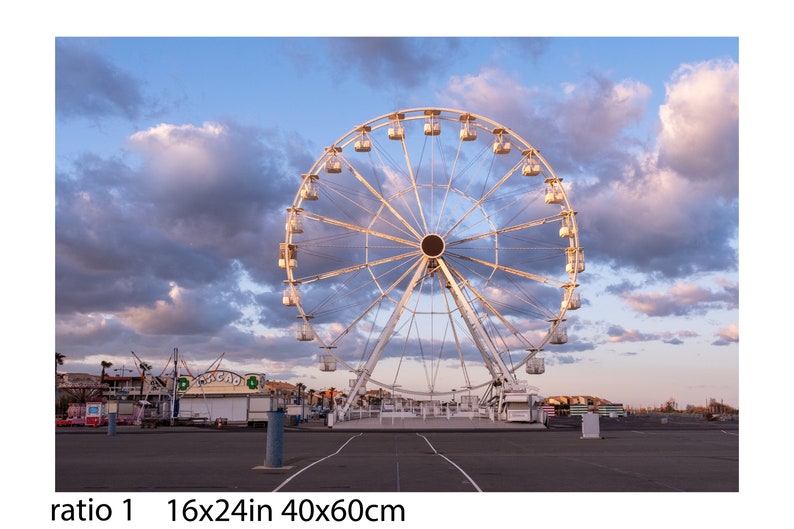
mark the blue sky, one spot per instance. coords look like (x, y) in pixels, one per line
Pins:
(149, 258)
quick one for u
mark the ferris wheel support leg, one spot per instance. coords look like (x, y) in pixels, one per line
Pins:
(383, 339)
(488, 349)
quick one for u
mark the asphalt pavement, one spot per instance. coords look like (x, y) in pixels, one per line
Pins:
(631, 454)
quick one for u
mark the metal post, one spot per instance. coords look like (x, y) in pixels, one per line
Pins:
(274, 454)
(176, 384)
(112, 423)
(112, 409)
(301, 387)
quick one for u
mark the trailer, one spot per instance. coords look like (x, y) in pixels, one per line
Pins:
(199, 409)
(523, 407)
(258, 409)
(516, 406)
(251, 410)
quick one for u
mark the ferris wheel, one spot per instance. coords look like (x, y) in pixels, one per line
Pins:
(430, 251)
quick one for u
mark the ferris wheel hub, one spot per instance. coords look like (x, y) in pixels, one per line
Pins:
(433, 245)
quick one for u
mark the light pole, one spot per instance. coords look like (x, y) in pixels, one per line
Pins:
(123, 370)
(301, 387)
(175, 398)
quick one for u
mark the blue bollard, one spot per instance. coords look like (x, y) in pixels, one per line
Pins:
(111, 424)
(274, 454)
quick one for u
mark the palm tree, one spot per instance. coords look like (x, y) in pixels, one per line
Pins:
(58, 360)
(105, 365)
(331, 391)
(144, 368)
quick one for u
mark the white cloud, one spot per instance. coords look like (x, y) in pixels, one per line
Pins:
(594, 115)
(182, 312)
(181, 154)
(674, 211)
(729, 334)
(491, 92)
(681, 298)
(699, 137)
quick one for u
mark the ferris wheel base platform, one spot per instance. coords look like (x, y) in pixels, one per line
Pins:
(436, 423)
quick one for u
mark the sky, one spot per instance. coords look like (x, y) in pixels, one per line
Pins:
(175, 159)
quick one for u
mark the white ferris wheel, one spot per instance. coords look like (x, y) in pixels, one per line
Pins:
(430, 251)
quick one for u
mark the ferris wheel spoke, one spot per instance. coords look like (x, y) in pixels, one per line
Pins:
(507, 229)
(456, 338)
(514, 271)
(448, 187)
(437, 342)
(375, 304)
(483, 198)
(383, 200)
(354, 268)
(387, 164)
(488, 350)
(515, 201)
(489, 306)
(524, 303)
(533, 307)
(356, 228)
(388, 329)
(412, 177)
(358, 202)
(413, 331)
(334, 302)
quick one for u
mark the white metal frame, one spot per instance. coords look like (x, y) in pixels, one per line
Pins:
(432, 244)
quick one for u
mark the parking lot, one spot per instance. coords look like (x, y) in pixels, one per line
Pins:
(631, 455)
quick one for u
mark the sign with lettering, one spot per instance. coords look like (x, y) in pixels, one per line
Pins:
(222, 381)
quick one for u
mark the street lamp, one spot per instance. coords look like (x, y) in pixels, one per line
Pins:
(123, 370)
(301, 387)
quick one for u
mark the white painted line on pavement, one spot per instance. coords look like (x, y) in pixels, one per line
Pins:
(476, 487)
(296, 474)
